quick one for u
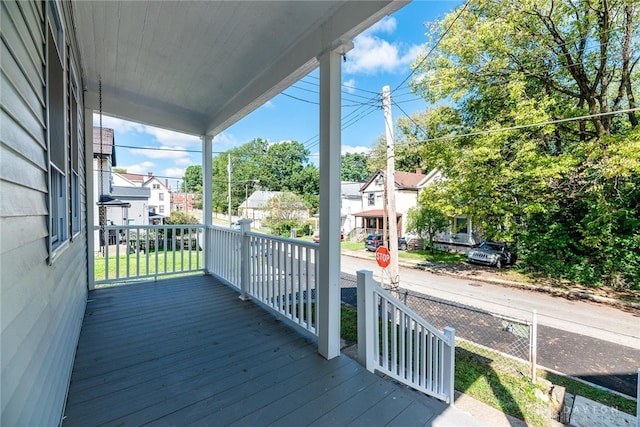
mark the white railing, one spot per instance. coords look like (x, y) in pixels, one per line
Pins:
(280, 274)
(224, 254)
(396, 341)
(132, 252)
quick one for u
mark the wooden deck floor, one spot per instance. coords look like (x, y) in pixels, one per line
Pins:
(188, 351)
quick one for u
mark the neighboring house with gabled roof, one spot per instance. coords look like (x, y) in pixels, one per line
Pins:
(406, 186)
(160, 196)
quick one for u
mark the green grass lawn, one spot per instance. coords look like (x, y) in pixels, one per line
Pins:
(436, 256)
(176, 261)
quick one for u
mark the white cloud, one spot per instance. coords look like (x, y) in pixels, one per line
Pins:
(119, 125)
(174, 172)
(184, 162)
(372, 54)
(351, 149)
(349, 85)
(140, 168)
(163, 152)
(224, 141)
(171, 138)
(162, 136)
(387, 25)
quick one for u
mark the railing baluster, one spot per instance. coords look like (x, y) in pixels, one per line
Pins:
(106, 255)
(127, 237)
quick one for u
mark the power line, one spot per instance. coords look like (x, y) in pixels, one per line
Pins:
(526, 126)
(433, 48)
(411, 119)
(300, 99)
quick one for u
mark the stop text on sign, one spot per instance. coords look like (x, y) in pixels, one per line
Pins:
(383, 257)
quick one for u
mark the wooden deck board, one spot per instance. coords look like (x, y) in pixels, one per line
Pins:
(187, 351)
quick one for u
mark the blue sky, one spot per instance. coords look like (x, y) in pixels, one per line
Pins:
(381, 56)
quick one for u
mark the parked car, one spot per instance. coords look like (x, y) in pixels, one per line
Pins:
(316, 236)
(496, 254)
(373, 241)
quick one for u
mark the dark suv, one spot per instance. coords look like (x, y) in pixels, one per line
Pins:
(373, 241)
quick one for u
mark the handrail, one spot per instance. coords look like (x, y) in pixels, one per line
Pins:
(396, 341)
(134, 252)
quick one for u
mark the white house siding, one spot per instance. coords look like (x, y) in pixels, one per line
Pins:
(405, 200)
(42, 305)
(350, 203)
(162, 207)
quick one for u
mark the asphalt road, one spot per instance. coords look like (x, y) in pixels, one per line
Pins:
(595, 342)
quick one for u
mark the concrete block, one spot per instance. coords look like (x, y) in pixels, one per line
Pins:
(587, 413)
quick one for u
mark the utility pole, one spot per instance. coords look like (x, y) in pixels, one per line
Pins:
(390, 188)
(229, 187)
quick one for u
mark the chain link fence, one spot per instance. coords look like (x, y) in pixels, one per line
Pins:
(498, 339)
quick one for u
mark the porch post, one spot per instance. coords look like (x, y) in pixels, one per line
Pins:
(329, 252)
(207, 198)
(366, 319)
(89, 194)
(245, 227)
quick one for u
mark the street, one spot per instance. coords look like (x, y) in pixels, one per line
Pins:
(595, 342)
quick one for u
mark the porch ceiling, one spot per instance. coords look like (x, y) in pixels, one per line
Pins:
(197, 67)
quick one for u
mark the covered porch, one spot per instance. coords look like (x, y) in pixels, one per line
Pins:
(187, 350)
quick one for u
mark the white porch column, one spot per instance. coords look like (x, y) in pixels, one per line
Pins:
(90, 197)
(207, 197)
(329, 258)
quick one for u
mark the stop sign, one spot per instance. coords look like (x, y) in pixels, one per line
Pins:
(383, 257)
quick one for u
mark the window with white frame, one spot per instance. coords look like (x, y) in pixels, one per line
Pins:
(57, 143)
(161, 207)
(371, 199)
(461, 225)
(74, 154)
(161, 196)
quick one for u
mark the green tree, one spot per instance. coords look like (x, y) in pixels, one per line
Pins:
(503, 65)
(119, 170)
(354, 167)
(246, 174)
(260, 165)
(281, 165)
(306, 183)
(180, 217)
(192, 179)
(284, 212)
(407, 157)
(522, 61)
(431, 215)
